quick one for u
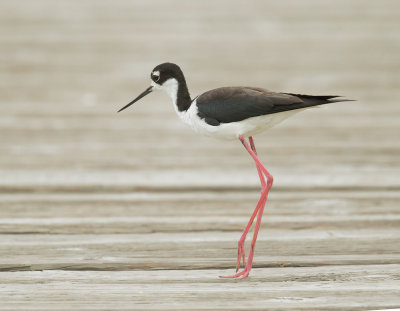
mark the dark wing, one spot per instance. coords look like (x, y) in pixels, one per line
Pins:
(232, 104)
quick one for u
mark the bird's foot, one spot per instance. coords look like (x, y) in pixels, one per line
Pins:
(241, 275)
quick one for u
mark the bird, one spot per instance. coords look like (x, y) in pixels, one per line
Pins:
(231, 113)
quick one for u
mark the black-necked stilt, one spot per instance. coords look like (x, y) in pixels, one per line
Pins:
(233, 113)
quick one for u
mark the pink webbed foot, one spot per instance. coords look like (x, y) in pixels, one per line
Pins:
(242, 274)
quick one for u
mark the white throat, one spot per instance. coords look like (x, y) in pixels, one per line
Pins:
(170, 87)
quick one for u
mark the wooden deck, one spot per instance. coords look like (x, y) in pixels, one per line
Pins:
(106, 211)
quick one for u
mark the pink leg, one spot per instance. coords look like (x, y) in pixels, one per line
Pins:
(258, 210)
(260, 174)
(241, 252)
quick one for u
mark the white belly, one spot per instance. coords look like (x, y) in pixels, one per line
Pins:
(231, 131)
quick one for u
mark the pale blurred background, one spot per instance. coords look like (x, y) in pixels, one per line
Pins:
(68, 66)
(102, 210)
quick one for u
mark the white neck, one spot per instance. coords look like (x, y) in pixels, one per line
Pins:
(170, 87)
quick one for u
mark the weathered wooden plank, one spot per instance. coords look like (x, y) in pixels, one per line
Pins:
(183, 224)
(109, 253)
(301, 178)
(328, 288)
(161, 226)
(146, 202)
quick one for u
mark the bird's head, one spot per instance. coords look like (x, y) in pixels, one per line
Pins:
(166, 77)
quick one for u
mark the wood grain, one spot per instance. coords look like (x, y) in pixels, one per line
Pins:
(134, 211)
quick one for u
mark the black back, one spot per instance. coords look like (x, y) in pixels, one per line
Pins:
(233, 104)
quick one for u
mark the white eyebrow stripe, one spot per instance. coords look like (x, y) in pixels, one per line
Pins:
(156, 73)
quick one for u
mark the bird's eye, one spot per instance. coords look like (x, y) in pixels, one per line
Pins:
(155, 76)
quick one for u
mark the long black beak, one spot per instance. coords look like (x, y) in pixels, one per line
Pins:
(147, 91)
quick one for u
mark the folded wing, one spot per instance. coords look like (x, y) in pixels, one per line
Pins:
(232, 104)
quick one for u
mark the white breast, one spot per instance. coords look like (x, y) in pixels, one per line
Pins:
(231, 131)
